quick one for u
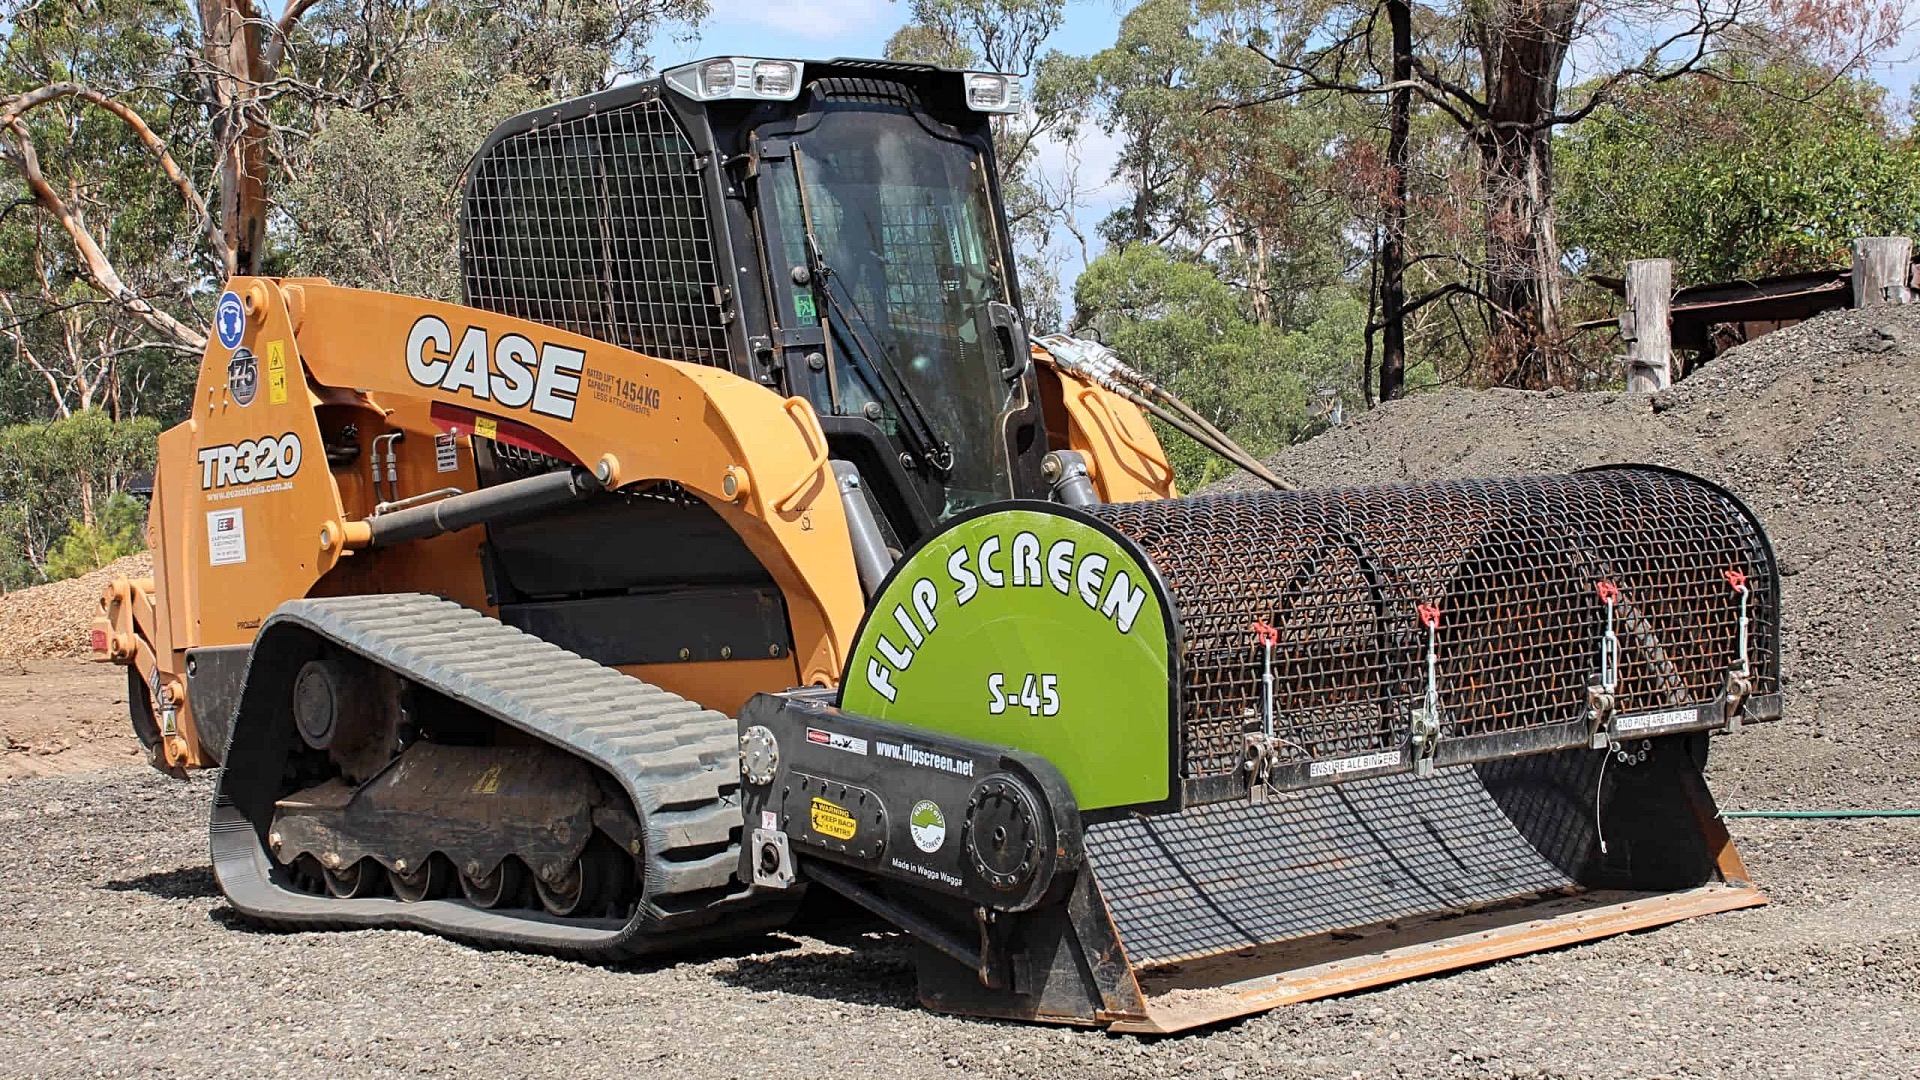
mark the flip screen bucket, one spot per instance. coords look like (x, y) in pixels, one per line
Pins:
(1408, 728)
(1538, 813)
(1234, 908)
(1522, 579)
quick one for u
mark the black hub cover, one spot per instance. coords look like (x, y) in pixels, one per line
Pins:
(316, 704)
(1002, 833)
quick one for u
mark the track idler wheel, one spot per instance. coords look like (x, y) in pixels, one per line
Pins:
(501, 888)
(359, 878)
(346, 707)
(429, 881)
(601, 874)
(323, 695)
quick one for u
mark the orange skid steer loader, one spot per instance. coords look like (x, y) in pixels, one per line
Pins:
(733, 540)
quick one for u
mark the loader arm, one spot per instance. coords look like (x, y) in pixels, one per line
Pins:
(756, 458)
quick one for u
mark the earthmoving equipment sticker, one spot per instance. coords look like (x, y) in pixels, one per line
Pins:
(230, 320)
(836, 740)
(243, 377)
(928, 826)
(511, 371)
(226, 537)
(276, 373)
(832, 819)
(1059, 600)
(446, 453)
(252, 461)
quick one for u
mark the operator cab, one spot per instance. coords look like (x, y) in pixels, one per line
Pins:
(832, 230)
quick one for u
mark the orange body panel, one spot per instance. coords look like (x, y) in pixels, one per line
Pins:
(242, 521)
(1123, 455)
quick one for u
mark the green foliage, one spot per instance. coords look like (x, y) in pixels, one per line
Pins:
(63, 347)
(378, 205)
(56, 474)
(120, 531)
(1767, 170)
(1178, 322)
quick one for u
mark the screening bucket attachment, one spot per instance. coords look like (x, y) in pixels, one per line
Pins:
(1159, 764)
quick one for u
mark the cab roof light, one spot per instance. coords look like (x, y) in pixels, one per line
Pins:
(736, 77)
(993, 92)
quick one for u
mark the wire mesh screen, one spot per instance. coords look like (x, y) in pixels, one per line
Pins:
(1516, 569)
(599, 225)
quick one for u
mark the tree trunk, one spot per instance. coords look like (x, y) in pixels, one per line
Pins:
(1523, 258)
(1393, 247)
(231, 43)
(1523, 44)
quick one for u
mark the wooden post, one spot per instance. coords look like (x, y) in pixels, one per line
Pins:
(1881, 267)
(1645, 325)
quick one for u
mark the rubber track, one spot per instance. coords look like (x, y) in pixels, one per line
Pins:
(677, 761)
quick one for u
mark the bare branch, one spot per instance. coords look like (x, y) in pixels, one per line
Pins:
(17, 107)
(99, 269)
(1433, 90)
(282, 32)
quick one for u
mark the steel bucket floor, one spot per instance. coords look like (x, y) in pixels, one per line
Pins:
(1233, 875)
(1235, 908)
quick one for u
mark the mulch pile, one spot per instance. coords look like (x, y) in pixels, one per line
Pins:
(51, 620)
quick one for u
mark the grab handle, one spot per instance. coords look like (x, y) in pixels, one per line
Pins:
(802, 414)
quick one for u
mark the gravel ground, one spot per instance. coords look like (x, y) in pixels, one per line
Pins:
(117, 958)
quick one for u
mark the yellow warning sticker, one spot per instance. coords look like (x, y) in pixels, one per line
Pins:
(276, 373)
(832, 819)
(489, 782)
(486, 427)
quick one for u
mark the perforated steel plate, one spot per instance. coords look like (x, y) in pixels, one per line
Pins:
(1232, 875)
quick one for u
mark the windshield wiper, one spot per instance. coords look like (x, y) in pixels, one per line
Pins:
(936, 451)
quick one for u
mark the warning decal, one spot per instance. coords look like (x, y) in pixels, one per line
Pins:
(446, 453)
(832, 819)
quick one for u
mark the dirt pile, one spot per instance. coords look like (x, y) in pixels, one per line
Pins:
(51, 620)
(1817, 428)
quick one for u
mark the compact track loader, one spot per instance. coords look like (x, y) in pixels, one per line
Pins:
(733, 540)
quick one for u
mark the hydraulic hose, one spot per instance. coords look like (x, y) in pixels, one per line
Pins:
(1818, 813)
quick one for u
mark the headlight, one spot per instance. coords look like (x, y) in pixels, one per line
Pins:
(990, 91)
(716, 78)
(775, 79)
(730, 77)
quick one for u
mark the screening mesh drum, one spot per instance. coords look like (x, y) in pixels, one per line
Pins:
(1516, 569)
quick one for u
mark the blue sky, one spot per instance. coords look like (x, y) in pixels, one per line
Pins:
(816, 29)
